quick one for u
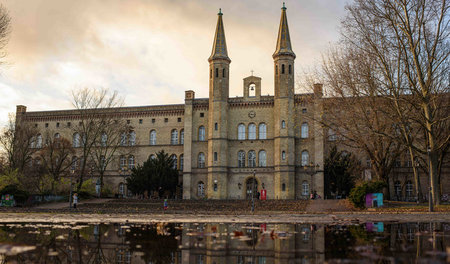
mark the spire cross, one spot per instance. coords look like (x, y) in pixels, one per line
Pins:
(251, 72)
(284, 7)
(220, 11)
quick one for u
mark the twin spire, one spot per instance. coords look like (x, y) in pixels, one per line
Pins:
(219, 50)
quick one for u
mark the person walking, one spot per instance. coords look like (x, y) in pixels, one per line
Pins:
(75, 200)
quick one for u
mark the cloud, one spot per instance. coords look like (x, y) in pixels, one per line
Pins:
(149, 51)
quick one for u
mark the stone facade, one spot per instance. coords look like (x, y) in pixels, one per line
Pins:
(223, 143)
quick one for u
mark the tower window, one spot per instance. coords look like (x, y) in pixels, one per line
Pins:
(153, 120)
(215, 156)
(166, 120)
(217, 72)
(216, 126)
(283, 124)
(140, 121)
(202, 114)
(282, 68)
(283, 187)
(210, 74)
(57, 124)
(223, 73)
(290, 69)
(276, 69)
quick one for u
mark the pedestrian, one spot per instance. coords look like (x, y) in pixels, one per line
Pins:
(166, 204)
(311, 196)
(75, 200)
(258, 194)
(315, 195)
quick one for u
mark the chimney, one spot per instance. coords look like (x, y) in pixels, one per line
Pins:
(189, 95)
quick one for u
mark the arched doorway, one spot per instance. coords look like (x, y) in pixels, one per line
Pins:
(251, 187)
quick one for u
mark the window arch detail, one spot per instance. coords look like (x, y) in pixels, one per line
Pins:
(305, 158)
(241, 159)
(201, 160)
(241, 132)
(153, 137)
(304, 131)
(201, 133)
(262, 131)
(252, 131)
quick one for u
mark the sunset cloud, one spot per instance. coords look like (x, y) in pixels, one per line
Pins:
(149, 51)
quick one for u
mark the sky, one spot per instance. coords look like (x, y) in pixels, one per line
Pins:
(150, 51)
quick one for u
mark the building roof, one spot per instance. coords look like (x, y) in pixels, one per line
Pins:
(284, 40)
(219, 50)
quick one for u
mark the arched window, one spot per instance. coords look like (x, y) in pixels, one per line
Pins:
(305, 158)
(153, 137)
(331, 135)
(217, 72)
(56, 141)
(241, 132)
(57, 136)
(398, 190)
(104, 139)
(223, 73)
(132, 138)
(201, 189)
(283, 187)
(201, 133)
(201, 160)
(290, 69)
(123, 139)
(305, 188)
(152, 156)
(304, 130)
(174, 159)
(262, 131)
(241, 159)
(409, 190)
(283, 155)
(252, 131)
(123, 162)
(252, 158)
(39, 141)
(216, 126)
(262, 158)
(74, 163)
(282, 68)
(283, 124)
(174, 137)
(181, 162)
(182, 136)
(131, 162)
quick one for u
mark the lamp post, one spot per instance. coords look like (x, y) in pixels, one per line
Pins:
(313, 170)
(416, 165)
(430, 199)
(253, 191)
(123, 171)
(72, 171)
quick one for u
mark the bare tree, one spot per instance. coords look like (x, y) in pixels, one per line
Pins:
(97, 135)
(409, 46)
(18, 141)
(56, 156)
(354, 113)
(5, 29)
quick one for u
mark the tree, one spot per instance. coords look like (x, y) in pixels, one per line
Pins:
(340, 172)
(408, 44)
(154, 173)
(56, 157)
(5, 29)
(355, 113)
(18, 139)
(97, 116)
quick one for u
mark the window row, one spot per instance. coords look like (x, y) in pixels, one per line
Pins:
(262, 130)
(251, 160)
(175, 164)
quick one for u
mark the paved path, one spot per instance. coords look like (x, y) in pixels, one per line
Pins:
(62, 205)
(320, 206)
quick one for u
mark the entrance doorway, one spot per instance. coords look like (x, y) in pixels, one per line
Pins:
(251, 187)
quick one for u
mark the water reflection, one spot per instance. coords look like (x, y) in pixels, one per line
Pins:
(225, 243)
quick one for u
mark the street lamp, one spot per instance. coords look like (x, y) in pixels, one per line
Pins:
(416, 165)
(430, 199)
(72, 171)
(253, 191)
(123, 171)
(312, 170)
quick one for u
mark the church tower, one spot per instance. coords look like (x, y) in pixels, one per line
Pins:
(284, 131)
(219, 65)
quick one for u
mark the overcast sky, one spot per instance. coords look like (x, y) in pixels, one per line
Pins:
(150, 51)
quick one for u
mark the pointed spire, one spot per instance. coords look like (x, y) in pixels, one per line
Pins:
(219, 50)
(284, 40)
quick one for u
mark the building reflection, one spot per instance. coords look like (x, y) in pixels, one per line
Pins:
(227, 243)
